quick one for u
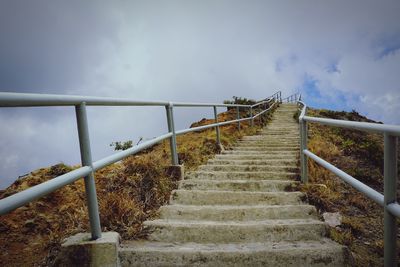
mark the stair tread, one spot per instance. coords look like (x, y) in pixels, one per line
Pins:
(265, 222)
(231, 207)
(239, 181)
(230, 247)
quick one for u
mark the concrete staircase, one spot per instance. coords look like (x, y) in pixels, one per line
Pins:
(240, 210)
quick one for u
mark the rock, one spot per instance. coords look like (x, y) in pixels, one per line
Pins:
(332, 219)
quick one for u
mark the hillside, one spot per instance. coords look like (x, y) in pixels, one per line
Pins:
(129, 192)
(132, 190)
(359, 154)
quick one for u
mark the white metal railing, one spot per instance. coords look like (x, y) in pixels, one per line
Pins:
(88, 166)
(388, 199)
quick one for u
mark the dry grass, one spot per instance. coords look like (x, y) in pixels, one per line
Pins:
(129, 192)
(360, 155)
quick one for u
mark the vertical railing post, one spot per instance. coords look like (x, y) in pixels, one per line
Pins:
(303, 146)
(86, 159)
(390, 186)
(238, 116)
(171, 129)
(217, 127)
(251, 115)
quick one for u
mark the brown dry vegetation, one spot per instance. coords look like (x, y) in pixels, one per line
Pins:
(359, 154)
(129, 192)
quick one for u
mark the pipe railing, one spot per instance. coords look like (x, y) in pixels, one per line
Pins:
(388, 199)
(292, 98)
(88, 168)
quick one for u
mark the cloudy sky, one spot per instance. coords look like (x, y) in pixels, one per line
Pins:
(338, 54)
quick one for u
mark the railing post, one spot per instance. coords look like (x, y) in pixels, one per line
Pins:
(251, 115)
(171, 129)
(390, 186)
(217, 127)
(238, 116)
(86, 159)
(303, 146)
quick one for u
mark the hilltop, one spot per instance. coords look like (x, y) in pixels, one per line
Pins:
(132, 190)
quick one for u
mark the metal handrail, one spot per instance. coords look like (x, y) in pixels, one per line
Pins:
(388, 199)
(292, 98)
(88, 166)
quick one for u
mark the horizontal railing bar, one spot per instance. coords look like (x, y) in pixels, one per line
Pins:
(262, 102)
(232, 121)
(394, 209)
(24, 197)
(130, 151)
(32, 100)
(366, 190)
(36, 100)
(182, 104)
(262, 112)
(363, 126)
(199, 128)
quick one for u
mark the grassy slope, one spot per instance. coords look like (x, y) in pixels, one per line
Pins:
(359, 154)
(129, 192)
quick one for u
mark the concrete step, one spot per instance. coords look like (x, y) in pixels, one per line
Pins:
(237, 213)
(283, 122)
(267, 142)
(284, 129)
(227, 175)
(286, 133)
(219, 197)
(265, 134)
(261, 152)
(248, 168)
(280, 125)
(234, 231)
(284, 161)
(267, 145)
(275, 136)
(271, 157)
(294, 132)
(238, 185)
(284, 115)
(280, 130)
(270, 139)
(267, 148)
(284, 118)
(323, 252)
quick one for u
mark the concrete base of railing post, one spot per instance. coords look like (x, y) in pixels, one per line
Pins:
(79, 250)
(176, 172)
